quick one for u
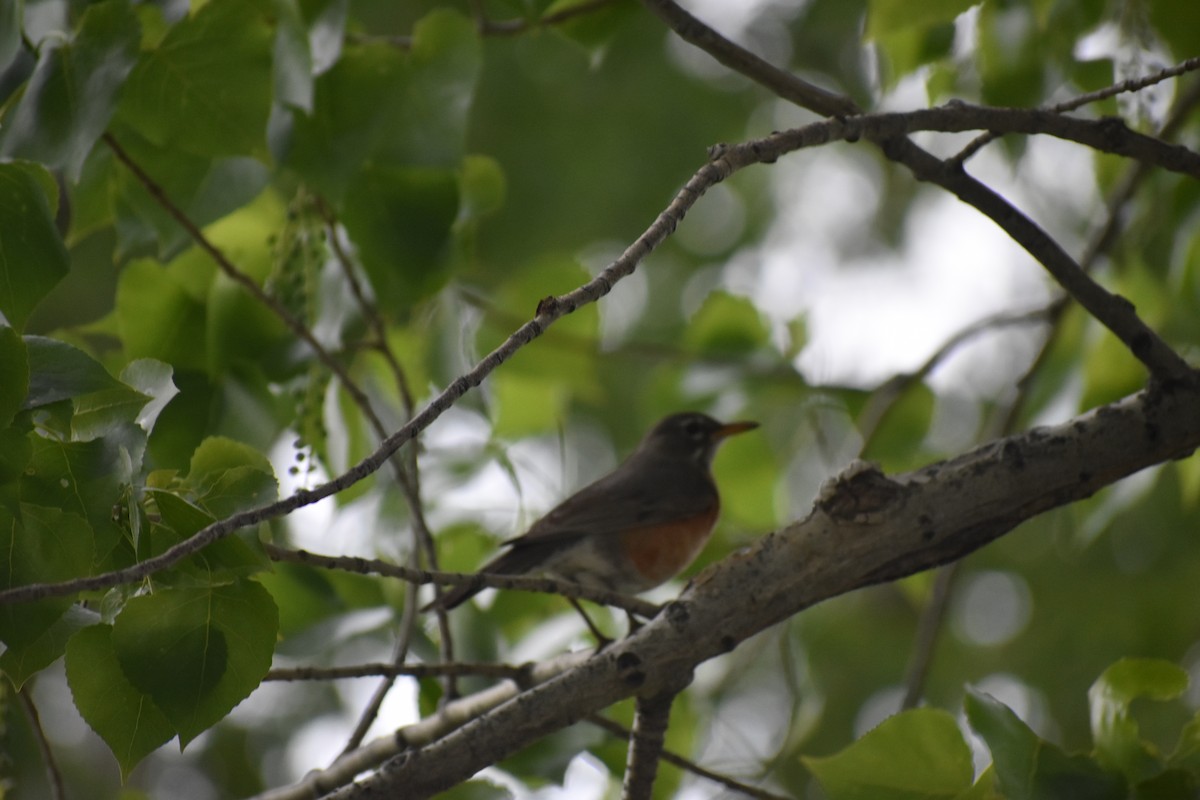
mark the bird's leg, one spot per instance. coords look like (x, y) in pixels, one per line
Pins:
(602, 641)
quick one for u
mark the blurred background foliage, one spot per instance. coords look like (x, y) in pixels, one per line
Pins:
(407, 181)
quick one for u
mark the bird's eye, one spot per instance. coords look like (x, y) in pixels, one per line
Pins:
(692, 427)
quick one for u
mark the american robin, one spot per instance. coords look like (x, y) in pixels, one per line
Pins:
(636, 527)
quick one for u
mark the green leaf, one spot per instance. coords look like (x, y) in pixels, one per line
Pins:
(230, 556)
(203, 188)
(1187, 752)
(14, 374)
(72, 93)
(105, 412)
(891, 16)
(228, 476)
(726, 325)
(292, 58)
(1178, 22)
(594, 28)
(206, 88)
(23, 662)
(915, 754)
(123, 716)
(158, 318)
(33, 258)
(59, 371)
(197, 652)
(153, 379)
(528, 404)
(10, 31)
(400, 219)
(1114, 730)
(445, 62)
(1028, 768)
(385, 108)
(84, 478)
(218, 454)
(40, 545)
(15, 452)
(241, 329)
(100, 403)
(482, 186)
(896, 441)
(304, 595)
(909, 48)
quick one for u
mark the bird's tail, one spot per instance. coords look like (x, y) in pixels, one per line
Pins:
(516, 561)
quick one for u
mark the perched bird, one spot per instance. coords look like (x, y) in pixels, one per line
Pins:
(636, 527)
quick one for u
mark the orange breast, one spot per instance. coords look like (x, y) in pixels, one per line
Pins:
(660, 552)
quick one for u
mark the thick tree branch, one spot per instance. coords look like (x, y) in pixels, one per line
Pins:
(865, 530)
(650, 722)
(319, 782)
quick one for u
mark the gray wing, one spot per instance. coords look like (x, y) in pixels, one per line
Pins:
(621, 500)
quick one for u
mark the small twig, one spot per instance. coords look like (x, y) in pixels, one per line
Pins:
(368, 566)
(299, 329)
(1098, 244)
(423, 538)
(370, 712)
(930, 625)
(688, 765)
(1130, 85)
(650, 722)
(741, 60)
(374, 670)
(54, 777)
(885, 398)
(374, 320)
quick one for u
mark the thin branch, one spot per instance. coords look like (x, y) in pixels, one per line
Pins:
(369, 566)
(1114, 312)
(930, 625)
(1131, 85)
(676, 760)
(549, 310)
(741, 60)
(423, 538)
(884, 399)
(460, 669)
(650, 722)
(298, 329)
(370, 312)
(1098, 244)
(370, 712)
(54, 777)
